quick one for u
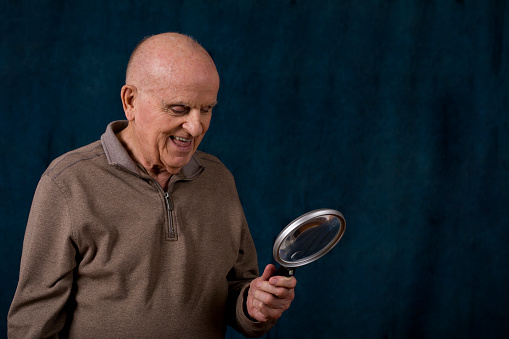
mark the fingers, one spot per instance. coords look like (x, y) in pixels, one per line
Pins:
(274, 296)
(258, 311)
(267, 308)
(268, 272)
(278, 286)
(261, 312)
(269, 297)
(286, 282)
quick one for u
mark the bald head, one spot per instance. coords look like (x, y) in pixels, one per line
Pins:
(161, 57)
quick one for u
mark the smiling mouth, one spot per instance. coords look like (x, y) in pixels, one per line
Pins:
(181, 143)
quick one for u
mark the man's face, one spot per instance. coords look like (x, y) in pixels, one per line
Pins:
(172, 117)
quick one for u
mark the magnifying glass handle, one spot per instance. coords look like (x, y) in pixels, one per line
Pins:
(285, 272)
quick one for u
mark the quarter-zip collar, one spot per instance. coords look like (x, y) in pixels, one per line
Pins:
(117, 155)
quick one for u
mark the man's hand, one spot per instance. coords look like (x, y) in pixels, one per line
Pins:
(269, 296)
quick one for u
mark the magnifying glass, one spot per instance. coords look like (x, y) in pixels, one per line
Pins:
(306, 239)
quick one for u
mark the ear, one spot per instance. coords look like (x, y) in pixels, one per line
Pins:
(128, 96)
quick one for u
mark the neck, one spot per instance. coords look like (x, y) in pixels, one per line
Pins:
(162, 178)
(156, 172)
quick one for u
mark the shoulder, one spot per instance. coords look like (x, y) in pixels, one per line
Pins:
(214, 171)
(211, 162)
(71, 160)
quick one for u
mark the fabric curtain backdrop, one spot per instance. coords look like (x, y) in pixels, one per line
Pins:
(393, 112)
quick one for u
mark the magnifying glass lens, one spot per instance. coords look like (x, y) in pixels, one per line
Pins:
(310, 238)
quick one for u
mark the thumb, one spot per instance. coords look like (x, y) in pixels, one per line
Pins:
(268, 272)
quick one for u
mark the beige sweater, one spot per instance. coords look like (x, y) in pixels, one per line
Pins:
(106, 255)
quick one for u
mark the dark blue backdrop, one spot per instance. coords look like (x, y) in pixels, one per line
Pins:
(393, 112)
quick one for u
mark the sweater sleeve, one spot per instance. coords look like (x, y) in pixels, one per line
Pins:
(245, 270)
(46, 270)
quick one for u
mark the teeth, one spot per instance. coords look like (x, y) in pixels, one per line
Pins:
(182, 139)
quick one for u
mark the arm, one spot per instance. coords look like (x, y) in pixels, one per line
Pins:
(46, 271)
(258, 301)
(239, 279)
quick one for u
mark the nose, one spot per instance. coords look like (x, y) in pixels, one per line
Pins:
(193, 123)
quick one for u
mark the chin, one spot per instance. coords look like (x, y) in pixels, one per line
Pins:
(175, 167)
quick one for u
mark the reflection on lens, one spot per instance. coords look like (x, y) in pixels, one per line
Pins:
(297, 255)
(310, 238)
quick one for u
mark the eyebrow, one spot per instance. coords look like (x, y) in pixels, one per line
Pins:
(180, 103)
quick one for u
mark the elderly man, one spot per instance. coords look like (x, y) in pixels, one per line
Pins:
(139, 235)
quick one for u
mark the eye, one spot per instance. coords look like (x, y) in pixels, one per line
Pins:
(178, 109)
(207, 109)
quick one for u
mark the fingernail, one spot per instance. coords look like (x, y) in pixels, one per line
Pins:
(273, 281)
